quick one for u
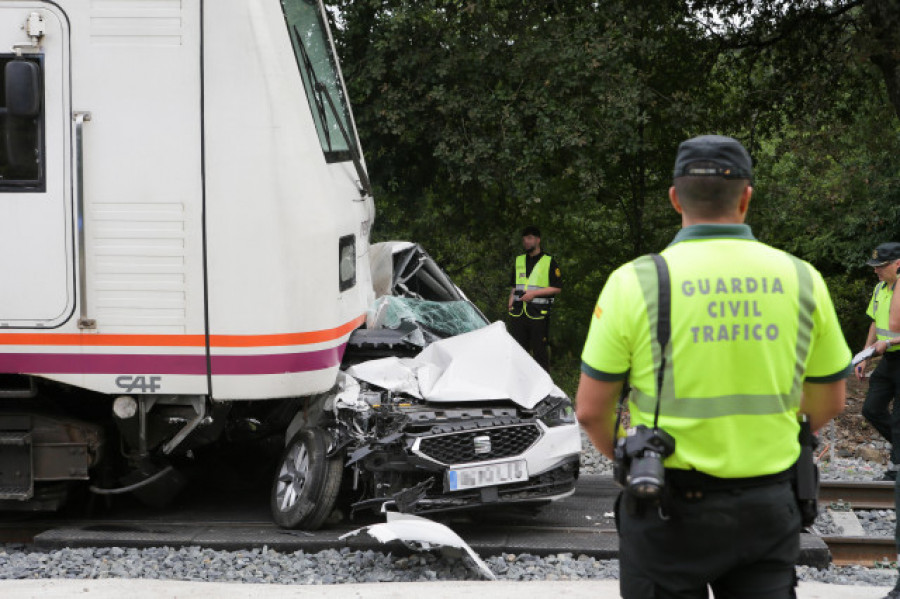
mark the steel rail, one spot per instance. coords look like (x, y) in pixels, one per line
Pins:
(860, 495)
(861, 551)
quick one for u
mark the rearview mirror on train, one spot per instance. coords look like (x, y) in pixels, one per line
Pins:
(23, 88)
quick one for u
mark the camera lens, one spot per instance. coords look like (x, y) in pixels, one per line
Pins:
(647, 475)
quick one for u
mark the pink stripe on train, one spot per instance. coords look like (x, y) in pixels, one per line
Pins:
(169, 364)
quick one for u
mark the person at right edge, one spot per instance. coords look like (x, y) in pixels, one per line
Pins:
(884, 382)
(755, 347)
(882, 346)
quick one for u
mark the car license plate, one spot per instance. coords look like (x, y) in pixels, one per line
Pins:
(473, 477)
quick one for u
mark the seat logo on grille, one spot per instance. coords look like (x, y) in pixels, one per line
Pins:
(482, 444)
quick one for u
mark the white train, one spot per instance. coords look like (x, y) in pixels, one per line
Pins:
(184, 230)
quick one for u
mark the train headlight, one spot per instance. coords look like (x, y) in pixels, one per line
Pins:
(125, 407)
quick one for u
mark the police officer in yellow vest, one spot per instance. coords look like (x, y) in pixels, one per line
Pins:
(882, 345)
(535, 283)
(884, 382)
(754, 343)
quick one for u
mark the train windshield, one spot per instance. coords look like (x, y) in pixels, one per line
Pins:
(318, 68)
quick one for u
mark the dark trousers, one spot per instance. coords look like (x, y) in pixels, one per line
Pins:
(533, 335)
(884, 387)
(743, 543)
(897, 523)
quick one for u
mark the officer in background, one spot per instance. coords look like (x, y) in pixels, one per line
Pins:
(881, 346)
(884, 382)
(754, 341)
(535, 283)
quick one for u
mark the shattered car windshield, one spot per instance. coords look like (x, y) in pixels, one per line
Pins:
(443, 318)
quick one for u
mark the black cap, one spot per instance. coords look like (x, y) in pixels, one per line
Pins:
(884, 253)
(713, 156)
(531, 230)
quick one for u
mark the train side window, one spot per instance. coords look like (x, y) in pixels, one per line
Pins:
(347, 262)
(321, 78)
(21, 124)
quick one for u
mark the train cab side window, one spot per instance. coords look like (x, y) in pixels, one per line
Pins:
(321, 79)
(21, 124)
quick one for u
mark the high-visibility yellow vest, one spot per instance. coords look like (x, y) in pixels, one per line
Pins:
(878, 310)
(539, 278)
(750, 324)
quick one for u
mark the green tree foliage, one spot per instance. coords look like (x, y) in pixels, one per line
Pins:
(479, 117)
(814, 83)
(810, 43)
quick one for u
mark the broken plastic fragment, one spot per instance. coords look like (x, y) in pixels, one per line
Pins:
(420, 533)
(348, 394)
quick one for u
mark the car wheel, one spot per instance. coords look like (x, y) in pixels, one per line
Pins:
(308, 482)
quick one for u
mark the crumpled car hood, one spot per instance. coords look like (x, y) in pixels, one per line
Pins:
(484, 365)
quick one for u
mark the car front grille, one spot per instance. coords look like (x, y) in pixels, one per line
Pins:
(460, 448)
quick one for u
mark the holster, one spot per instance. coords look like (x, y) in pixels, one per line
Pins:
(806, 476)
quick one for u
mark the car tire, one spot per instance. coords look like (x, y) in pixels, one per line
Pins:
(307, 483)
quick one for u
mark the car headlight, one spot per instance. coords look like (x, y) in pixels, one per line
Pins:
(555, 411)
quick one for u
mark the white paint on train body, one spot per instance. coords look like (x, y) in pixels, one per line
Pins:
(183, 204)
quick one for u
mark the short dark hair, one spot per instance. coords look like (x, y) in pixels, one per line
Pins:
(531, 230)
(709, 197)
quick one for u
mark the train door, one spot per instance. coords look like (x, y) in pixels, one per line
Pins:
(36, 212)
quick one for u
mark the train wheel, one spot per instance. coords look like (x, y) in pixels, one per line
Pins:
(308, 482)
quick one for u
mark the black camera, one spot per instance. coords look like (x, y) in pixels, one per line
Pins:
(639, 461)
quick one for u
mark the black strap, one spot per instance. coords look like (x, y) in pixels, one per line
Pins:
(663, 325)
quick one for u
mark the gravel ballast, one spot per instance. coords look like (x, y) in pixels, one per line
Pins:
(345, 566)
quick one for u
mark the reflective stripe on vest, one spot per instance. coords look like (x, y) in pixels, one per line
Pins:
(538, 279)
(881, 304)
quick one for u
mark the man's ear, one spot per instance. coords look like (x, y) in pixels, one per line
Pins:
(673, 198)
(744, 203)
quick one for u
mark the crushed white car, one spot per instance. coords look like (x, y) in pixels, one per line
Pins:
(435, 410)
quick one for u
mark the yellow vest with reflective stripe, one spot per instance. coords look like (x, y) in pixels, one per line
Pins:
(699, 400)
(749, 323)
(879, 308)
(538, 279)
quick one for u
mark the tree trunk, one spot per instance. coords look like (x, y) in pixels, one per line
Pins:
(883, 42)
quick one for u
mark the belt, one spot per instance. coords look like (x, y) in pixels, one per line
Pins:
(691, 482)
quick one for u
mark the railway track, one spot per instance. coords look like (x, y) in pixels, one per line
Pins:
(861, 495)
(854, 549)
(575, 521)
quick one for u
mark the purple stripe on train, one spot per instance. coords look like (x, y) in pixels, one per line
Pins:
(169, 364)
